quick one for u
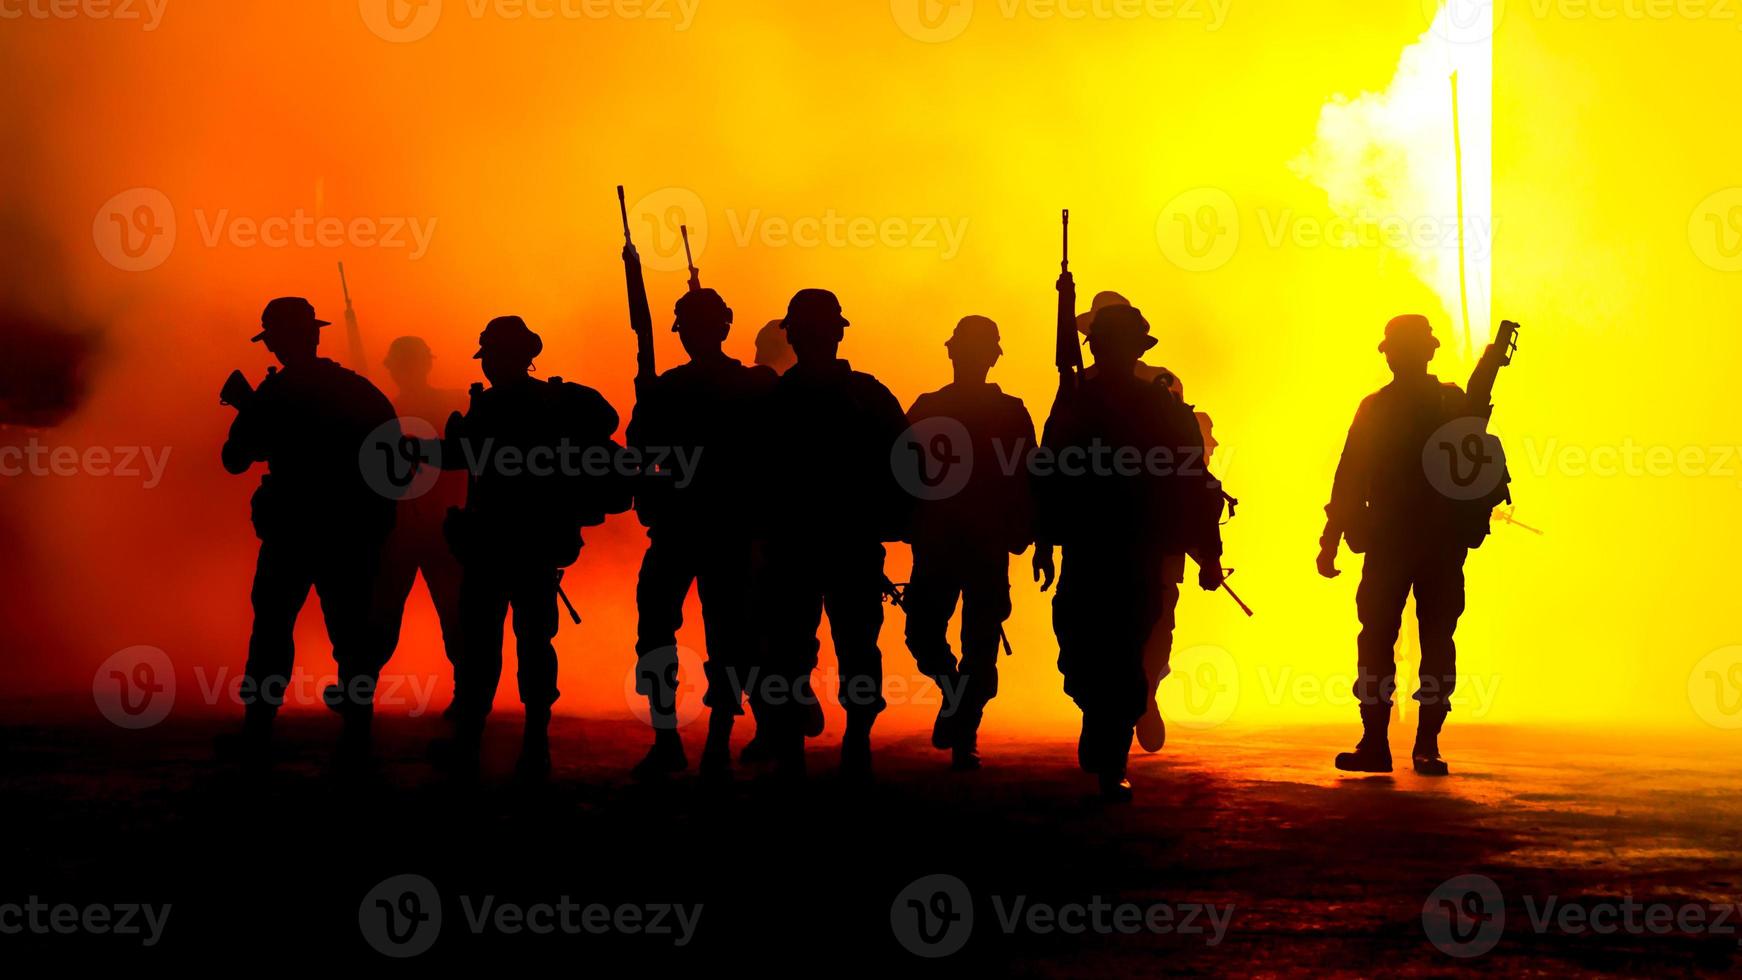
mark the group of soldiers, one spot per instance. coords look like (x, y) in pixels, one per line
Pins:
(773, 489)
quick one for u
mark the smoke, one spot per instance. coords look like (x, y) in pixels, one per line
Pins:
(1387, 161)
(46, 352)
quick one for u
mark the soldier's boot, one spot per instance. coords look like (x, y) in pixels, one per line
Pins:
(717, 752)
(1426, 754)
(856, 746)
(1115, 787)
(458, 753)
(965, 751)
(943, 729)
(534, 761)
(252, 746)
(1151, 729)
(1373, 753)
(810, 707)
(664, 758)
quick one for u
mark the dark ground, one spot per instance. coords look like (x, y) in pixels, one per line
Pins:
(1326, 873)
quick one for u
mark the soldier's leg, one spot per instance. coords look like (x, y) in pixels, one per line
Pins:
(346, 586)
(723, 585)
(1379, 601)
(667, 567)
(1158, 653)
(928, 602)
(393, 586)
(535, 625)
(985, 608)
(853, 597)
(1439, 600)
(483, 606)
(282, 579)
(666, 574)
(441, 576)
(794, 614)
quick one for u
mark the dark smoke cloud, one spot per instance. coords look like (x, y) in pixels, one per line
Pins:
(44, 369)
(46, 351)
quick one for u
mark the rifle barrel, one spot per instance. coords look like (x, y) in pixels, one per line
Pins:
(623, 208)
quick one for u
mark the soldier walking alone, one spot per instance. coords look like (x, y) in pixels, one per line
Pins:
(965, 528)
(1415, 534)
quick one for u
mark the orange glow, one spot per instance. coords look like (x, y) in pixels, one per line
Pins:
(820, 144)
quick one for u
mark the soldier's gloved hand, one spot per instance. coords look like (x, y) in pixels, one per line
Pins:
(1328, 562)
(1044, 570)
(1210, 576)
(1066, 281)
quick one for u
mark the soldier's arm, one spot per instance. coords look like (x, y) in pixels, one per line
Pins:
(247, 442)
(1349, 488)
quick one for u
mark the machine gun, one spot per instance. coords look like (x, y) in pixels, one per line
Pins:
(896, 595)
(640, 316)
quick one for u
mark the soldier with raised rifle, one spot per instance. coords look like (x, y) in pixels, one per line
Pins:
(1403, 499)
(698, 522)
(321, 525)
(1121, 485)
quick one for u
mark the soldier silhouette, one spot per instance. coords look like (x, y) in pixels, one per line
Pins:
(1121, 486)
(536, 477)
(1384, 505)
(698, 526)
(320, 524)
(772, 350)
(417, 544)
(836, 502)
(963, 540)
